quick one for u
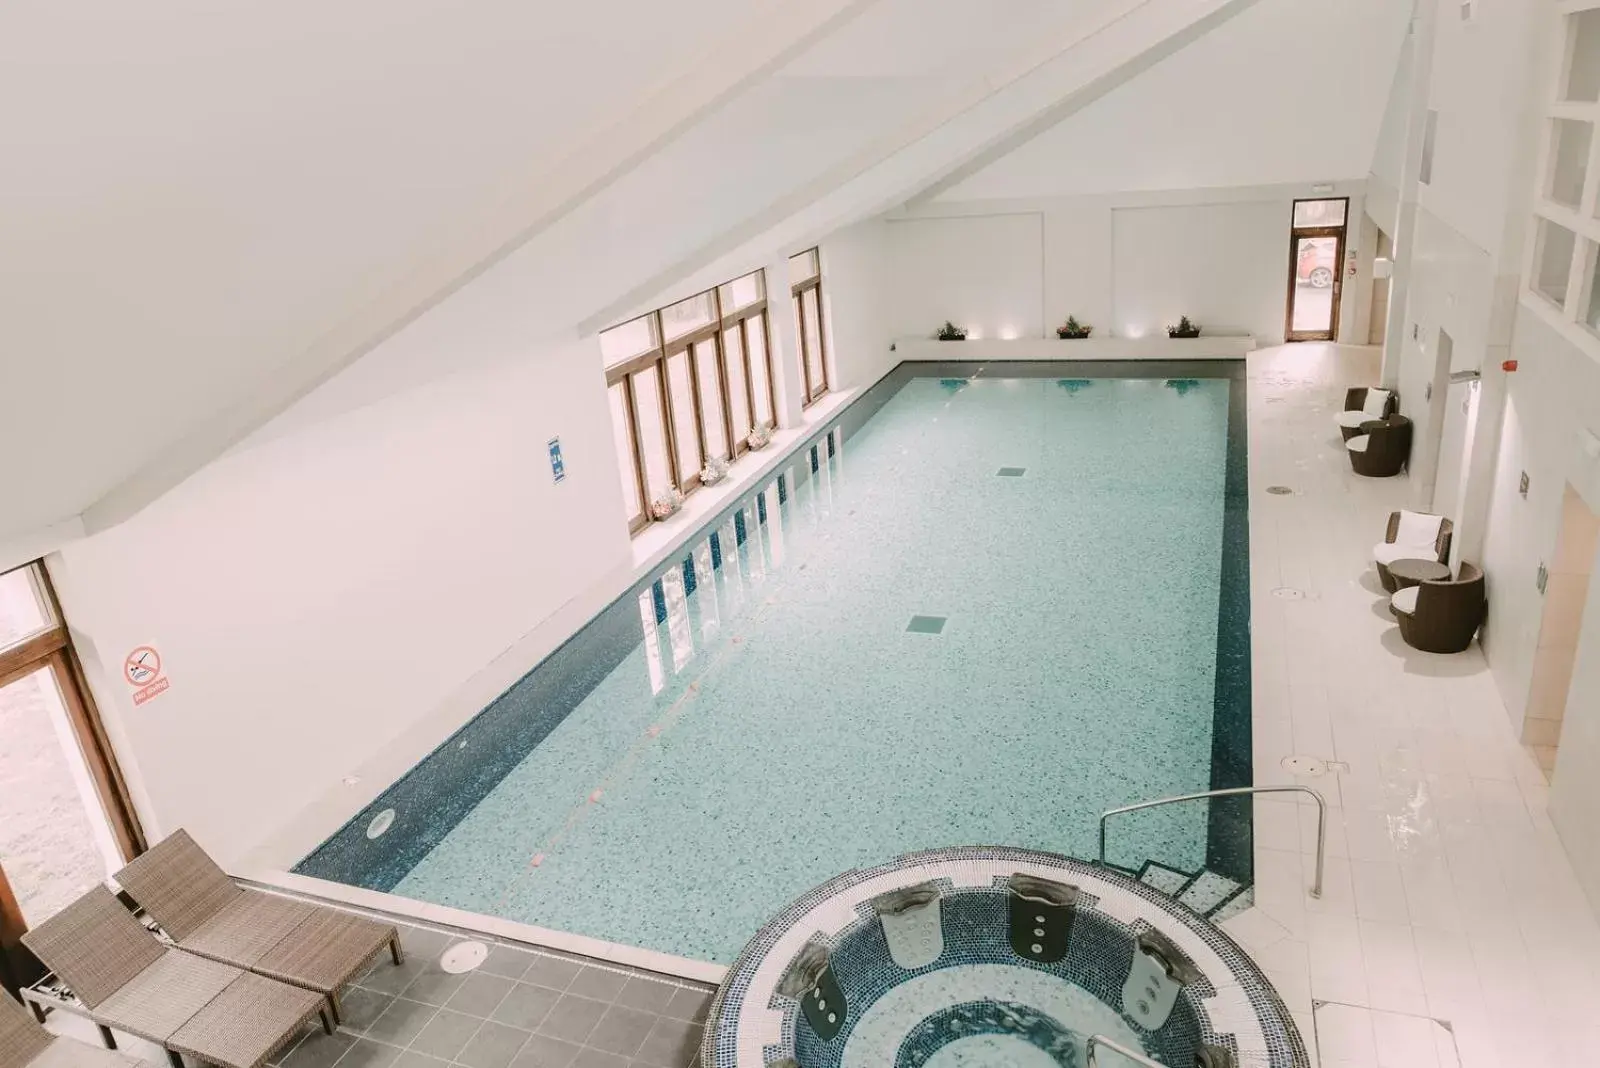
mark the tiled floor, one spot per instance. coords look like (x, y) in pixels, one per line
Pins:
(519, 1009)
(1448, 894)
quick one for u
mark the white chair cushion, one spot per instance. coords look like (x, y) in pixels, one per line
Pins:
(1376, 399)
(1387, 552)
(1418, 528)
(1405, 600)
(1352, 418)
(1359, 443)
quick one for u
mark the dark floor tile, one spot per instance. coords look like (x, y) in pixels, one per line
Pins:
(424, 943)
(542, 1051)
(318, 1050)
(554, 972)
(689, 1005)
(590, 1057)
(401, 1022)
(480, 995)
(646, 994)
(671, 1044)
(365, 1053)
(506, 962)
(622, 1030)
(434, 986)
(602, 984)
(389, 978)
(494, 1046)
(526, 1006)
(413, 1059)
(446, 1034)
(360, 1007)
(573, 1018)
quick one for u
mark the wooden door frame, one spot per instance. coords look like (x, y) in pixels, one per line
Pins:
(1296, 235)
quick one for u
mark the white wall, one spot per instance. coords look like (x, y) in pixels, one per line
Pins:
(1127, 264)
(855, 271)
(319, 590)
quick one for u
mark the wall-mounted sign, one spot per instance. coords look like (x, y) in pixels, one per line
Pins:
(558, 467)
(142, 670)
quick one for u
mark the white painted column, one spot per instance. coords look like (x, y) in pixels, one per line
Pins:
(785, 340)
(1405, 230)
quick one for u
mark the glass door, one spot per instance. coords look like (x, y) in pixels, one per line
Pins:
(1316, 270)
(65, 817)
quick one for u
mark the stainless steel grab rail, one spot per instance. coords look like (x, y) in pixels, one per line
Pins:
(1322, 816)
(1095, 1041)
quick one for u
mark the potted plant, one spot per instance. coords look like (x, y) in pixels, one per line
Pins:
(715, 470)
(1184, 329)
(666, 503)
(951, 332)
(761, 436)
(1072, 330)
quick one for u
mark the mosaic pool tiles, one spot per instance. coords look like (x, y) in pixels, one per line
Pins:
(572, 800)
(900, 1016)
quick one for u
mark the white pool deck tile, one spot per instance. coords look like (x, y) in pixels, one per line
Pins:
(1448, 896)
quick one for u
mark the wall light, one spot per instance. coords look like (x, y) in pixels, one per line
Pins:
(1133, 332)
(1009, 333)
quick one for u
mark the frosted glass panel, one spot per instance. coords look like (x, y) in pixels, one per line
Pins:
(742, 292)
(1583, 73)
(652, 432)
(683, 423)
(755, 332)
(1319, 212)
(705, 362)
(738, 398)
(628, 340)
(811, 310)
(1556, 245)
(1569, 160)
(804, 266)
(687, 316)
(622, 437)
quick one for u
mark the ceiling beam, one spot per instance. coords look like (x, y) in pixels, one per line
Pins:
(1054, 77)
(773, 34)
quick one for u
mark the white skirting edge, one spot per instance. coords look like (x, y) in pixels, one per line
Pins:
(526, 934)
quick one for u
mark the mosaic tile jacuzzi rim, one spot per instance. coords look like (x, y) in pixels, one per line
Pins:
(736, 1003)
(348, 856)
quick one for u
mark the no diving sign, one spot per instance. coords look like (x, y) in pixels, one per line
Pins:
(142, 669)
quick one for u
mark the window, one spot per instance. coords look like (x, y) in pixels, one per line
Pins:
(686, 385)
(63, 784)
(805, 278)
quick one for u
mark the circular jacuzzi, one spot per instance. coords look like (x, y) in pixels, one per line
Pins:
(994, 958)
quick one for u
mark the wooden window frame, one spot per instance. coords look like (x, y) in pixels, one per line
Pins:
(814, 391)
(51, 650)
(655, 360)
(1296, 235)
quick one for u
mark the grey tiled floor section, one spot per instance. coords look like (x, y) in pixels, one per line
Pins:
(519, 1009)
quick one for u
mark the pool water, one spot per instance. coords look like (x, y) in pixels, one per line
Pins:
(985, 616)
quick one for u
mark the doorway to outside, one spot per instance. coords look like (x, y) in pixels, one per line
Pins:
(1316, 269)
(65, 817)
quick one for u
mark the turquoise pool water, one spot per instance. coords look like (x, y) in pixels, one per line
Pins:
(781, 723)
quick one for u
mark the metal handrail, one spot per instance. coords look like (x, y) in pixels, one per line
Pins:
(1116, 1047)
(1322, 816)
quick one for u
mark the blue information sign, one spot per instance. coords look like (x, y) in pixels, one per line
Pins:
(558, 467)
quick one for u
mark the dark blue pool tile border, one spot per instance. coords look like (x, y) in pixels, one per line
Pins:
(439, 792)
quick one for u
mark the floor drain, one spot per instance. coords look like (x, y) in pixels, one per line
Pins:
(1288, 593)
(463, 957)
(380, 823)
(1304, 765)
(1280, 491)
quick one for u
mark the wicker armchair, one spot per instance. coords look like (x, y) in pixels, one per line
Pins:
(1382, 447)
(1411, 536)
(1363, 403)
(130, 981)
(25, 1044)
(1442, 617)
(200, 908)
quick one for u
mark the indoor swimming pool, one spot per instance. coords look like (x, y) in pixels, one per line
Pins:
(981, 607)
